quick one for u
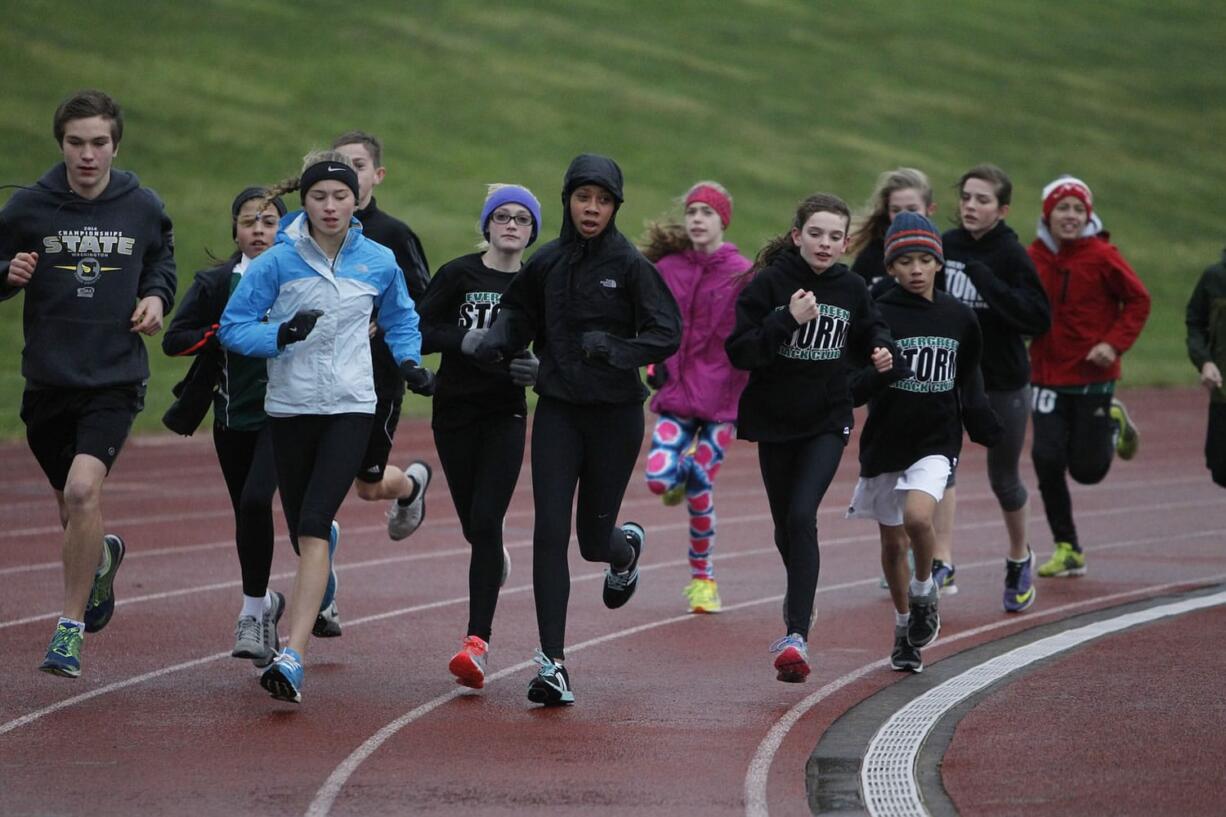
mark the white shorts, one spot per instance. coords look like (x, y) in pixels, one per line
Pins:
(882, 497)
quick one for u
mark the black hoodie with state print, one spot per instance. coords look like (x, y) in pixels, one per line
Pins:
(96, 259)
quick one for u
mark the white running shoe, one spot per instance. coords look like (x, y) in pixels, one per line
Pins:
(402, 520)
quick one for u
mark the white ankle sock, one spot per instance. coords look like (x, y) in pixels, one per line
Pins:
(923, 588)
(255, 606)
(902, 619)
(80, 625)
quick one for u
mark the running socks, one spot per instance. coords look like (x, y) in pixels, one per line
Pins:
(919, 588)
(405, 501)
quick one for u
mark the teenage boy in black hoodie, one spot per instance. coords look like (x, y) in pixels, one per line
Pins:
(94, 253)
(913, 434)
(798, 321)
(988, 269)
(376, 480)
(596, 311)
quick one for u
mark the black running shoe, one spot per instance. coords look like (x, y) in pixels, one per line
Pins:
(551, 686)
(619, 585)
(905, 658)
(925, 620)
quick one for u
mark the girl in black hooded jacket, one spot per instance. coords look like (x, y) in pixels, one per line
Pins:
(595, 311)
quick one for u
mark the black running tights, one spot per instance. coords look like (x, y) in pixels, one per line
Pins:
(796, 474)
(481, 461)
(593, 448)
(251, 478)
(317, 458)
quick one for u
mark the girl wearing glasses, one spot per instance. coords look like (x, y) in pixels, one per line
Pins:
(698, 388)
(595, 310)
(236, 384)
(479, 411)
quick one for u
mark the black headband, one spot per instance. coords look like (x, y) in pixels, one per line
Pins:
(255, 193)
(322, 171)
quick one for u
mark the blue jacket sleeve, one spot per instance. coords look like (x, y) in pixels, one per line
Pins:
(243, 328)
(399, 321)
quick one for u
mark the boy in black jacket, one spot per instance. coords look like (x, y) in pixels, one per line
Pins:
(376, 480)
(913, 434)
(94, 253)
(1206, 322)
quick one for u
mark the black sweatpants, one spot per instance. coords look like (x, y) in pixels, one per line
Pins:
(796, 474)
(251, 478)
(317, 457)
(481, 461)
(1073, 435)
(594, 448)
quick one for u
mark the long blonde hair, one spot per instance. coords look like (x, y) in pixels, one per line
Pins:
(874, 221)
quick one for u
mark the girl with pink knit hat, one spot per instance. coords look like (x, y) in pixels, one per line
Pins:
(1098, 308)
(698, 388)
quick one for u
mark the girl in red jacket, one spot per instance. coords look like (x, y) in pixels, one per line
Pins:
(1099, 306)
(698, 387)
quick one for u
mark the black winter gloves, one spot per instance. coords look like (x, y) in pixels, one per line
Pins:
(523, 369)
(657, 375)
(419, 380)
(297, 327)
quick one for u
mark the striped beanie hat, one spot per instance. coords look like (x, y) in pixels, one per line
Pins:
(911, 232)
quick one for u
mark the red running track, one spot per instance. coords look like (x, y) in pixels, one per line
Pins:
(674, 713)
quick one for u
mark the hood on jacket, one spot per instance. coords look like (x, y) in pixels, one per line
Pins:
(1093, 227)
(55, 182)
(588, 168)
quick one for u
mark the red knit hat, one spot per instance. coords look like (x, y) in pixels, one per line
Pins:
(1062, 188)
(717, 199)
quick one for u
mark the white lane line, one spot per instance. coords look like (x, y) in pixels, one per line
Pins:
(464, 550)
(757, 774)
(887, 773)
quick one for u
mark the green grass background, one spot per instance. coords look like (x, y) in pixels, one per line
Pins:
(775, 98)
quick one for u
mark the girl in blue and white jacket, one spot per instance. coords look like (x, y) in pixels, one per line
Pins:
(305, 304)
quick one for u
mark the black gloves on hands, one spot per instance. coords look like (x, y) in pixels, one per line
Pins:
(596, 345)
(471, 340)
(523, 369)
(297, 327)
(419, 379)
(657, 375)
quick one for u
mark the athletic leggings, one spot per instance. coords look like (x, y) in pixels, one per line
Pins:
(593, 447)
(1004, 458)
(1073, 434)
(796, 474)
(317, 458)
(251, 478)
(689, 451)
(481, 461)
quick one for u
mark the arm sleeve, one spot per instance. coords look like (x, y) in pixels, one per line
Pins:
(1197, 320)
(10, 245)
(399, 321)
(243, 328)
(978, 417)
(657, 321)
(439, 330)
(411, 259)
(869, 331)
(760, 327)
(1134, 303)
(195, 321)
(158, 275)
(1023, 305)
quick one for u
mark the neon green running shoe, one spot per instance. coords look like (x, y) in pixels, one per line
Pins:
(1064, 562)
(674, 495)
(64, 654)
(703, 595)
(1128, 438)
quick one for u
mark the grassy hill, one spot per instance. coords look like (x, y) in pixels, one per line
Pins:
(775, 98)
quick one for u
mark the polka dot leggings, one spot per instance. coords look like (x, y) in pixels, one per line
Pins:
(688, 452)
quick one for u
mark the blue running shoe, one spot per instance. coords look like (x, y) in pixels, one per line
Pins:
(101, 605)
(551, 686)
(791, 659)
(283, 679)
(943, 575)
(1019, 584)
(64, 654)
(619, 585)
(328, 622)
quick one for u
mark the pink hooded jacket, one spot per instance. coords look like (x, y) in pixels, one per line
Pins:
(702, 382)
